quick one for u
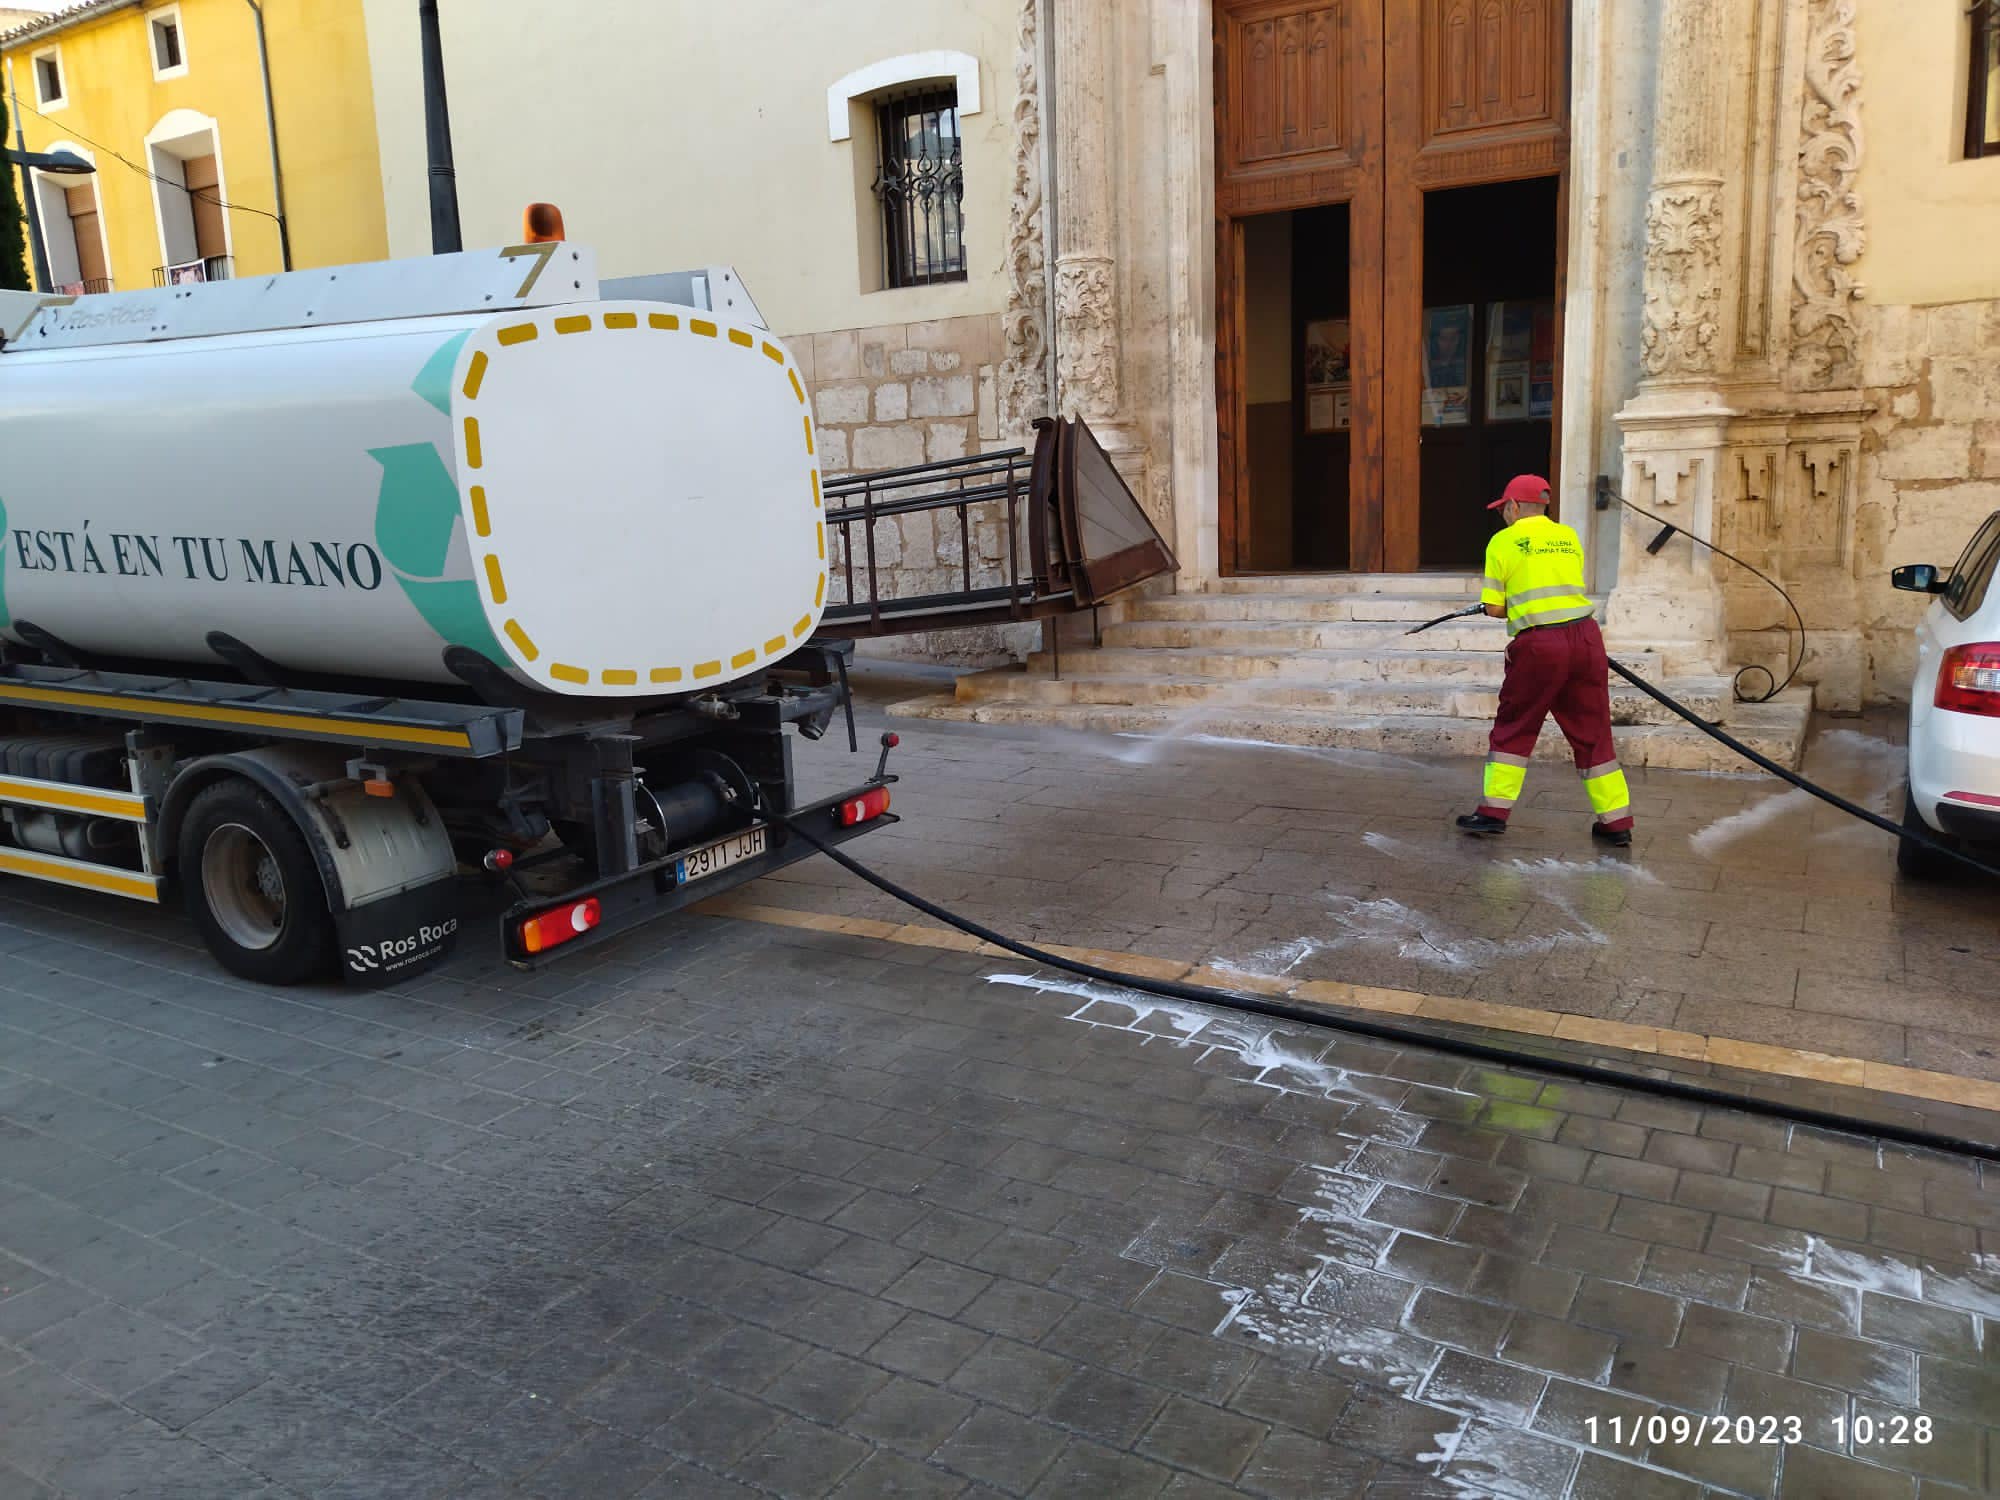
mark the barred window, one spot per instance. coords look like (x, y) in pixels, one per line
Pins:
(1982, 102)
(920, 186)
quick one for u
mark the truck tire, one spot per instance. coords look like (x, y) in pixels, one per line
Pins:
(1918, 861)
(252, 887)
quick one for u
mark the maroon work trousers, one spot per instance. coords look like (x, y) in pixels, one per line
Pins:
(1557, 669)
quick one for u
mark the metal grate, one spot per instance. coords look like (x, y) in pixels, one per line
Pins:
(920, 184)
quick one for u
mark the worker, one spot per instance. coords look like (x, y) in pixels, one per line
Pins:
(1555, 663)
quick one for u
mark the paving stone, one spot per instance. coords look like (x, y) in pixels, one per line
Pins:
(1929, 1330)
(1679, 1377)
(1495, 1456)
(1287, 1464)
(1397, 1429)
(1211, 1442)
(1862, 1368)
(1703, 1278)
(1481, 1387)
(1287, 1397)
(1612, 1257)
(1001, 1449)
(1811, 1474)
(1103, 1405)
(1523, 1284)
(1627, 1310)
(1011, 1374)
(1602, 1477)
(1708, 1193)
(1952, 1454)
(1562, 1349)
(1457, 1321)
(888, 1476)
(800, 1458)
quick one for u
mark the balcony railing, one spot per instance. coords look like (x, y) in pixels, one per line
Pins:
(208, 268)
(85, 287)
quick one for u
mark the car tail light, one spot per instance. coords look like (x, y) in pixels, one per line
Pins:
(1969, 679)
(553, 928)
(861, 809)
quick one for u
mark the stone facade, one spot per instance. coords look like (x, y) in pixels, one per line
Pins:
(1930, 464)
(893, 396)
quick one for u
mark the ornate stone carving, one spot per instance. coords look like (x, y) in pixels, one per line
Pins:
(1825, 354)
(1087, 335)
(1683, 280)
(1023, 377)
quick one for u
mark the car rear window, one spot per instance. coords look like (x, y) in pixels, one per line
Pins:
(1969, 579)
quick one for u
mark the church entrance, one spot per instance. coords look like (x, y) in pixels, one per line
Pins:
(1390, 214)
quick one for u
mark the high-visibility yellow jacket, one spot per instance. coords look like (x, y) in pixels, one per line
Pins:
(1535, 568)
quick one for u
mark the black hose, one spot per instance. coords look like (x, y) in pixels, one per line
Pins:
(1784, 773)
(1777, 687)
(1404, 1036)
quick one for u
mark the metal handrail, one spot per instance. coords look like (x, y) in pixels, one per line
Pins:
(1001, 479)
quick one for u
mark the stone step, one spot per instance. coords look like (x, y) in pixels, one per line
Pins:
(1412, 609)
(1776, 729)
(1275, 636)
(1212, 696)
(1239, 662)
(1320, 584)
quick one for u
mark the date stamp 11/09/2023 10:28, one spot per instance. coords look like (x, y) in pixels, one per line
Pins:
(1683, 1429)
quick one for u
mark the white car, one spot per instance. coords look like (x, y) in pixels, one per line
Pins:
(1954, 786)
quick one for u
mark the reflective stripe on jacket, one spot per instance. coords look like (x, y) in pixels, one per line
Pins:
(1535, 569)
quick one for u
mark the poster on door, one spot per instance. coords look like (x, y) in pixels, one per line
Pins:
(1542, 362)
(1510, 337)
(1329, 377)
(1447, 365)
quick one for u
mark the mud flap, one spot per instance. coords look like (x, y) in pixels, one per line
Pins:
(400, 935)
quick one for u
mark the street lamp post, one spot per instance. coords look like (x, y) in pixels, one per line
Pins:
(67, 163)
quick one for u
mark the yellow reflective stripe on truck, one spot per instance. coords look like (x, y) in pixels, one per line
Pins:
(27, 791)
(241, 718)
(57, 870)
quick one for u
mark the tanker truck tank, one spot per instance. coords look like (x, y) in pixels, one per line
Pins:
(323, 593)
(351, 471)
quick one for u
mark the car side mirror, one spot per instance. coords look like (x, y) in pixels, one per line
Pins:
(1918, 578)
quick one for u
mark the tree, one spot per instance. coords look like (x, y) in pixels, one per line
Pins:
(13, 241)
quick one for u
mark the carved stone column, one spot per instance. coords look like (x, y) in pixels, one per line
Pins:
(1676, 427)
(1024, 368)
(1086, 239)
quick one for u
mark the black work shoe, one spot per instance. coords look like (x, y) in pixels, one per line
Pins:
(1482, 825)
(1617, 838)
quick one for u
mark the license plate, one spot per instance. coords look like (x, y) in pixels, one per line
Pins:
(712, 859)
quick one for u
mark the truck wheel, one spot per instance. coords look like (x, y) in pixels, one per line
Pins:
(1914, 860)
(252, 887)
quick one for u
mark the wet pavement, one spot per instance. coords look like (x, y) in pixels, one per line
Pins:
(731, 1208)
(1744, 909)
(726, 1209)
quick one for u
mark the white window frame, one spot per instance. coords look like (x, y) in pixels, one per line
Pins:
(44, 104)
(962, 68)
(154, 18)
(175, 129)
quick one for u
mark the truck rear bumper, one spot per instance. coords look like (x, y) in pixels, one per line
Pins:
(652, 890)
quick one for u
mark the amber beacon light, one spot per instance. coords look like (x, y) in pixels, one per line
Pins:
(541, 223)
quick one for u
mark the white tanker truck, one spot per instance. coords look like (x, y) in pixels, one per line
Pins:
(315, 586)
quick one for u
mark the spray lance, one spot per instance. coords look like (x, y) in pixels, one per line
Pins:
(1457, 614)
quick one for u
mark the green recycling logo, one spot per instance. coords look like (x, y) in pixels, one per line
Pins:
(416, 517)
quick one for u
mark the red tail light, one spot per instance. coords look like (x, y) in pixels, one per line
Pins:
(860, 809)
(553, 928)
(1969, 679)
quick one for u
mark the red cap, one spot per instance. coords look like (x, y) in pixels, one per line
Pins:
(1529, 489)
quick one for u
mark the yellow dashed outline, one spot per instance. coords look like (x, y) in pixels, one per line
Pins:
(570, 323)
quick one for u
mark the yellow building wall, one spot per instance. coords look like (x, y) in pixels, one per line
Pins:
(326, 127)
(1933, 217)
